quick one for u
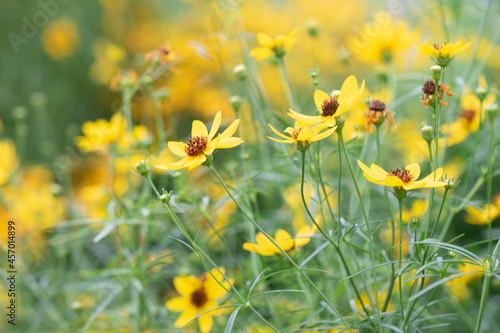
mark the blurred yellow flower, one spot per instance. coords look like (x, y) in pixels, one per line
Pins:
(418, 209)
(457, 287)
(285, 241)
(202, 144)
(332, 107)
(302, 134)
(480, 216)
(198, 295)
(447, 50)
(162, 55)
(60, 38)
(381, 40)
(98, 135)
(401, 178)
(9, 161)
(108, 59)
(274, 46)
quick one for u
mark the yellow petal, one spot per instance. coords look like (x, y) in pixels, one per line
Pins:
(414, 170)
(319, 98)
(257, 249)
(381, 173)
(265, 244)
(278, 133)
(265, 40)
(185, 285)
(199, 129)
(430, 178)
(215, 126)
(308, 120)
(185, 317)
(198, 160)
(205, 322)
(229, 142)
(178, 304)
(230, 130)
(284, 240)
(305, 134)
(348, 90)
(282, 141)
(324, 134)
(304, 236)
(260, 53)
(393, 181)
(177, 148)
(184, 163)
(370, 172)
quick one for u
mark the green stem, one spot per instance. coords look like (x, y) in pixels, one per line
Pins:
(488, 183)
(484, 296)
(243, 210)
(339, 191)
(289, 89)
(365, 216)
(400, 201)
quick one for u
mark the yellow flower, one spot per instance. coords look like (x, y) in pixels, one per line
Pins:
(198, 295)
(418, 208)
(98, 135)
(480, 216)
(274, 46)
(443, 52)
(286, 242)
(60, 39)
(302, 134)
(332, 107)
(457, 287)
(447, 50)
(405, 178)
(202, 144)
(8, 162)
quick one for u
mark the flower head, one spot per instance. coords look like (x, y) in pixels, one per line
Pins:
(274, 46)
(332, 107)
(202, 144)
(302, 135)
(286, 242)
(405, 178)
(376, 114)
(429, 93)
(198, 295)
(443, 52)
(480, 216)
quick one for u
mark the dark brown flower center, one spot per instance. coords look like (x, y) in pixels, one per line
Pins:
(199, 298)
(402, 174)
(196, 145)
(376, 105)
(295, 133)
(468, 115)
(329, 107)
(429, 87)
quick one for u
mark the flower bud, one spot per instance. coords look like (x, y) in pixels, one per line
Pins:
(236, 102)
(165, 197)
(427, 133)
(335, 93)
(452, 254)
(240, 71)
(143, 168)
(437, 72)
(491, 110)
(481, 93)
(312, 27)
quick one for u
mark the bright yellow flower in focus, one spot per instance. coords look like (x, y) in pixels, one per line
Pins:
(401, 178)
(98, 135)
(332, 107)
(443, 52)
(302, 134)
(480, 216)
(202, 144)
(286, 242)
(9, 162)
(274, 46)
(60, 39)
(198, 295)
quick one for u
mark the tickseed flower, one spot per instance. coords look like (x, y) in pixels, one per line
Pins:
(429, 92)
(60, 39)
(480, 216)
(286, 242)
(302, 135)
(202, 144)
(376, 114)
(443, 52)
(274, 46)
(332, 107)
(401, 178)
(198, 295)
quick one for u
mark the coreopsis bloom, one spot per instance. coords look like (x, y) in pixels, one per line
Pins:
(60, 39)
(9, 161)
(198, 295)
(302, 135)
(429, 93)
(405, 178)
(98, 135)
(443, 52)
(202, 144)
(480, 216)
(274, 46)
(286, 242)
(376, 114)
(332, 107)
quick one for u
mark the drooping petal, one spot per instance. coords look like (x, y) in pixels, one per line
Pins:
(278, 133)
(265, 40)
(319, 97)
(178, 304)
(177, 148)
(414, 170)
(185, 317)
(215, 126)
(205, 321)
(324, 134)
(308, 120)
(414, 185)
(282, 141)
(185, 285)
(284, 240)
(184, 163)
(199, 129)
(198, 160)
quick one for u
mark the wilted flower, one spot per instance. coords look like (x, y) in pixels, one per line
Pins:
(376, 114)
(429, 93)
